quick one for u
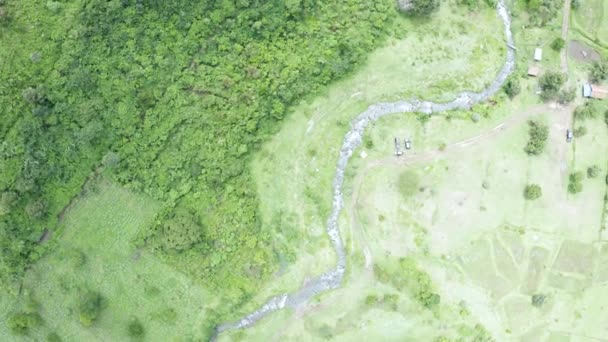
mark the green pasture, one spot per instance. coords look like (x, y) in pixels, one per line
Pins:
(94, 252)
(295, 169)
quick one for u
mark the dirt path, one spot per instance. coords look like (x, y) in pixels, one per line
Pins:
(565, 27)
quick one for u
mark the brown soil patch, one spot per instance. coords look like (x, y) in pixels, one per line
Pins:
(582, 52)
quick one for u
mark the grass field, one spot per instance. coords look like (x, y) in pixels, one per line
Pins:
(487, 249)
(295, 169)
(94, 252)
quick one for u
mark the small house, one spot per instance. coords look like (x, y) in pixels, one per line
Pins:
(534, 71)
(595, 91)
(538, 54)
(598, 92)
(586, 90)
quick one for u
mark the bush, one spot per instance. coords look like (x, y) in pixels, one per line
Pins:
(538, 300)
(512, 87)
(20, 323)
(91, 306)
(110, 159)
(180, 232)
(593, 171)
(579, 131)
(532, 192)
(538, 133)
(135, 329)
(558, 44)
(575, 183)
(587, 111)
(36, 209)
(550, 83)
(575, 4)
(7, 200)
(599, 71)
(566, 96)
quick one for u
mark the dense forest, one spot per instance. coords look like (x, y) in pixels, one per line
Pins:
(168, 98)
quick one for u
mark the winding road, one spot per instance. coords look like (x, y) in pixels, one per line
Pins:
(332, 279)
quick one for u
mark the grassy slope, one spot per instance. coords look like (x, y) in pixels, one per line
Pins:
(100, 228)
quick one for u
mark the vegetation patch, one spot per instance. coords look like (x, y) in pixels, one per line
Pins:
(408, 183)
(538, 133)
(533, 192)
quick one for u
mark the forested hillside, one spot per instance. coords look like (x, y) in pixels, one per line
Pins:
(168, 98)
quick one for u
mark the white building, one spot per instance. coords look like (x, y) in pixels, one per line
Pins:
(538, 54)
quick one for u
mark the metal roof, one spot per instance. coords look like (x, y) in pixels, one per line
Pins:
(586, 90)
(538, 54)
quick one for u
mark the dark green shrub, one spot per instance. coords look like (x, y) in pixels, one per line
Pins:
(593, 171)
(512, 87)
(579, 131)
(587, 111)
(22, 322)
(599, 71)
(575, 182)
(538, 300)
(566, 96)
(558, 44)
(538, 133)
(135, 329)
(91, 306)
(532, 192)
(550, 83)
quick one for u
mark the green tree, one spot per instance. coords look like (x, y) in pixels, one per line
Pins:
(512, 87)
(543, 11)
(538, 300)
(181, 232)
(538, 133)
(36, 209)
(579, 131)
(532, 192)
(7, 201)
(599, 71)
(550, 84)
(593, 171)
(587, 111)
(575, 182)
(566, 96)
(558, 44)
(110, 159)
